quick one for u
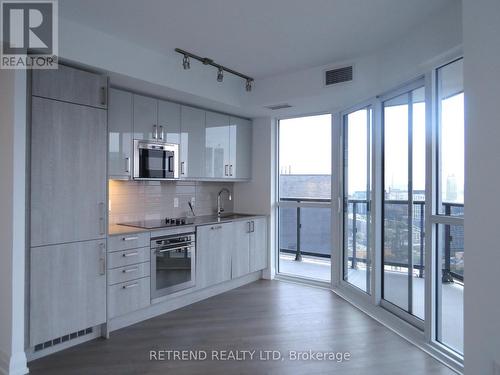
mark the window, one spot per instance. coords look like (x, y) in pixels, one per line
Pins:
(305, 155)
(450, 207)
(357, 127)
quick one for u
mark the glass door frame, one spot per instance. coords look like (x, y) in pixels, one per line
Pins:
(305, 203)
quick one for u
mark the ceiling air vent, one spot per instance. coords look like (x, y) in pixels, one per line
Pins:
(278, 106)
(338, 75)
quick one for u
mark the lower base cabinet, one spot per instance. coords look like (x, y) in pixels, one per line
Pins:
(67, 289)
(129, 296)
(230, 250)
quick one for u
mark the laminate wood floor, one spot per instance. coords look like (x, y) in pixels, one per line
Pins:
(264, 315)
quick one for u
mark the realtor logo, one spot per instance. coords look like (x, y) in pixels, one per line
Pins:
(29, 34)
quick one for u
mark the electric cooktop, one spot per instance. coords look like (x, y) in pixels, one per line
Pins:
(160, 223)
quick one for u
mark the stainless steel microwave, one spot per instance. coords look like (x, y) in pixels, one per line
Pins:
(155, 160)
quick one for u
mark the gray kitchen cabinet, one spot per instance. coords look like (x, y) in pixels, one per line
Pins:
(145, 118)
(192, 146)
(240, 139)
(120, 128)
(70, 85)
(213, 251)
(129, 296)
(217, 158)
(67, 289)
(169, 122)
(240, 258)
(258, 244)
(68, 172)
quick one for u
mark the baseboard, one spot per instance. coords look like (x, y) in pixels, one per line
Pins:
(167, 304)
(15, 365)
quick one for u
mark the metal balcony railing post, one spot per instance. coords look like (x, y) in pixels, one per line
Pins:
(298, 255)
(421, 270)
(447, 277)
(354, 234)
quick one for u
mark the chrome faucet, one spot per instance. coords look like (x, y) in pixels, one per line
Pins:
(220, 207)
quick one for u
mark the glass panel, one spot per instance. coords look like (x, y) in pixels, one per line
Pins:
(451, 139)
(450, 290)
(396, 211)
(310, 229)
(404, 251)
(305, 158)
(357, 188)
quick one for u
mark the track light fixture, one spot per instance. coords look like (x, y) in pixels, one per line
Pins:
(186, 64)
(220, 68)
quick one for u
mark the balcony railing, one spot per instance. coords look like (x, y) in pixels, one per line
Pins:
(357, 219)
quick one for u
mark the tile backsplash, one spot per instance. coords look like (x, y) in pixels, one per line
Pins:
(143, 200)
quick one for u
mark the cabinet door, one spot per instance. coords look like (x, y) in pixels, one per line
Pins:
(169, 122)
(71, 85)
(258, 245)
(145, 118)
(68, 172)
(120, 133)
(240, 259)
(67, 289)
(192, 142)
(217, 145)
(241, 148)
(213, 252)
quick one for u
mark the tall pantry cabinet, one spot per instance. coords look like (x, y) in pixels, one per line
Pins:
(68, 210)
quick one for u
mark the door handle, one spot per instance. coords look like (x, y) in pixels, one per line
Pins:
(226, 170)
(130, 286)
(102, 230)
(249, 230)
(231, 170)
(182, 167)
(130, 238)
(103, 96)
(155, 132)
(253, 226)
(161, 132)
(127, 164)
(102, 259)
(126, 255)
(128, 270)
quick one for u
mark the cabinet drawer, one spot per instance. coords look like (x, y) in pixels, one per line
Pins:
(126, 297)
(127, 273)
(128, 257)
(128, 241)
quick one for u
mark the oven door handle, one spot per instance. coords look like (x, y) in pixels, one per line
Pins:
(173, 248)
(179, 244)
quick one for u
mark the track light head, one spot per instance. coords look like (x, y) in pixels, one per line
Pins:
(220, 75)
(186, 64)
(248, 86)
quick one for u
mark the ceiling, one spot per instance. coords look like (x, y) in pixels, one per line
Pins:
(260, 38)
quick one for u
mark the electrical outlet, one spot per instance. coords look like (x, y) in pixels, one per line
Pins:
(176, 202)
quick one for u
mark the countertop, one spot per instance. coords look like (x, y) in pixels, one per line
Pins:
(117, 229)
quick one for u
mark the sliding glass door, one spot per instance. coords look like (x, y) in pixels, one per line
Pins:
(403, 202)
(304, 189)
(357, 137)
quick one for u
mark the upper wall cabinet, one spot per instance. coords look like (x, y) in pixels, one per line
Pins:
(192, 143)
(120, 133)
(240, 148)
(156, 120)
(71, 85)
(217, 161)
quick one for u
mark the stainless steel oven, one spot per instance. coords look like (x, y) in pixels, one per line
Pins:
(172, 263)
(155, 160)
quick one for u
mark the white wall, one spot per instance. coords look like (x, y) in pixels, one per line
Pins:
(482, 255)
(12, 220)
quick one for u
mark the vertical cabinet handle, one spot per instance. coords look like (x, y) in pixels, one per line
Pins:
(231, 170)
(103, 96)
(127, 165)
(226, 169)
(253, 226)
(249, 223)
(182, 167)
(161, 132)
(102, 220)
(155, 132)
(102, 259)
